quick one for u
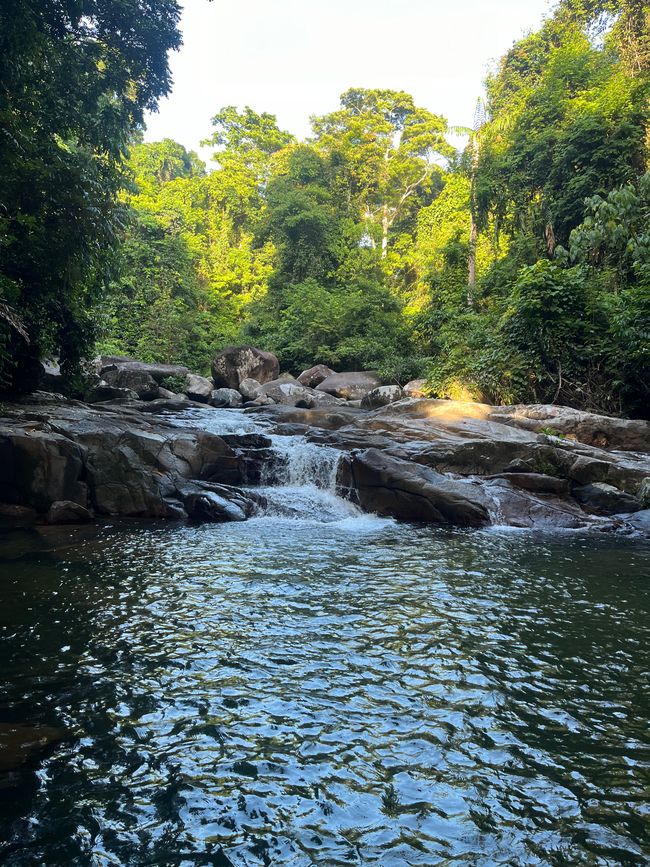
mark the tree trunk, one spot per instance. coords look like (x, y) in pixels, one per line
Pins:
(471, 260)
(385, 226)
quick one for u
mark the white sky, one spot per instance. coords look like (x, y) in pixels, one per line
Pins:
(294, 58)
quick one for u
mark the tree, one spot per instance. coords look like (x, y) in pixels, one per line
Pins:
(390, 150)
(75, 79)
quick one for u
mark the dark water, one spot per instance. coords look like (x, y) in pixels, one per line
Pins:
(354, 692)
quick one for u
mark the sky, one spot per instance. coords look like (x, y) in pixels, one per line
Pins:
(293, 58)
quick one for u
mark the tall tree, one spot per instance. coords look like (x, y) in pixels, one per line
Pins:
(390, 149)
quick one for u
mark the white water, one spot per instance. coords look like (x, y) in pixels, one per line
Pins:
(299, 484)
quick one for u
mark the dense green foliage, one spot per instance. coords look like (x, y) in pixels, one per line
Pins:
(75, 78)
(516, 271)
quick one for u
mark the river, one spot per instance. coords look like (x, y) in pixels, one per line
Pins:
(317, 686)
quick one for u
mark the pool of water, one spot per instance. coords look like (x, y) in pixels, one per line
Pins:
(320, 687)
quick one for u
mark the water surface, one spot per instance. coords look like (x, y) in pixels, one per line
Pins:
(319, 687)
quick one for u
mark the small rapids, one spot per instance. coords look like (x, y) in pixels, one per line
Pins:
(300, 483)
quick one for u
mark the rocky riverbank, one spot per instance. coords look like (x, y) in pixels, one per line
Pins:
(65, 461)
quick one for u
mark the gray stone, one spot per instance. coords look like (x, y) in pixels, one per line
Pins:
(603, 499)
(315, 375)
(143, 384)
(415, 388)
(388, 486)
(236, 363)
(381, 396)
(159, 372)
(226, 397)
(250, 389)
(67, 512)
(198, 388)
(103, 391)
(352, 385)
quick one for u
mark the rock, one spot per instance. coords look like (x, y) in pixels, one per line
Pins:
(595, 430)
(353, 385)
(143, 384)
(639, 520)
(166, 394)
(67, 512)
(381, 396)
(226, 397)
(237, 363)
(19, 743)
(206, 503)
(288, 393)
(159, 372)
(103, 391)
(415, 388)
(388, 486)
(536, 482)
(17, 516)
(262, 400)
(250, 389)
(315, 375)
(603, 499)
(291, 393)
(198, 388)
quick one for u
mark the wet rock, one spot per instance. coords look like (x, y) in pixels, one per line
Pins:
(67, 512)
(226, 397)
(639, 520)
(604, 499)
(352, 385)
(206, 503)
(315, 375)
(381, 396)
(389, 486)
(19, 743)
(198, 388)
(250, 389)
(237, 363)
(142, 383)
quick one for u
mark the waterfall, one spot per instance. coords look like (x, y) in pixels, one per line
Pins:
(300, 483)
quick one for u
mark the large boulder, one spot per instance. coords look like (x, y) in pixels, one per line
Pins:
(315, 375)
(352, 385)
(228, 398)
(198, 388)
(67, 512)
(401, 489)
(381, 396)
(237, 363)
(142, 383)
(603, 499)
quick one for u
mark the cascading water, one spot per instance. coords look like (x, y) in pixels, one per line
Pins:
(300, 482)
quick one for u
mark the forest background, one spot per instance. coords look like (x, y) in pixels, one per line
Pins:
(517, 270)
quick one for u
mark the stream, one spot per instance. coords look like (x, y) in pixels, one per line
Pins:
(320, 686)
